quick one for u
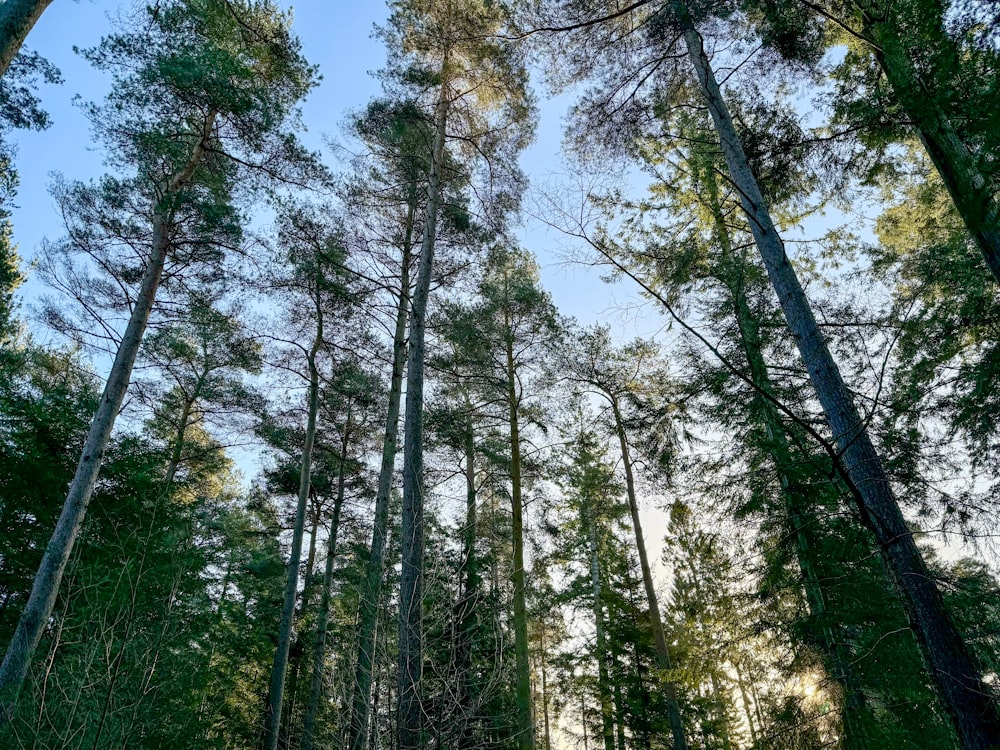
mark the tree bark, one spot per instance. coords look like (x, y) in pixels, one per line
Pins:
(272, 719)
(966, 184)
(966, 698)
(319, 646)
(375, 567)
(525, 724)
(655, 620)
(45, 588)
(797, 499)
(17, 18)
(412, 520)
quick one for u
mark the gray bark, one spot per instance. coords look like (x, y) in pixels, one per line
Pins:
(525, 722)
(655, 620)
(374, 570)
(412, 521)
(319, 645)
(272, 719)
(45, 588)
(967, 699)
(17, 18)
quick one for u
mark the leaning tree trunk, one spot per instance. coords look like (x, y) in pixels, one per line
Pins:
(319, 646)
(42, 599)
(272, 720)
(797, 499)
(525, 722)
(655, 620)
(958, 167)
(17, 17)
(371, 592)
(412, 518)
(966, 698)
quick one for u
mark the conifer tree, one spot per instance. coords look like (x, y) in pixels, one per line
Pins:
(198, 113)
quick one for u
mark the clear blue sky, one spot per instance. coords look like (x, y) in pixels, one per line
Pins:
(337, 36)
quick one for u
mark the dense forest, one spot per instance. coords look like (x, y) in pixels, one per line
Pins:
(298, 452)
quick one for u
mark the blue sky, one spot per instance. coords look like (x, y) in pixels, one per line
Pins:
(337, 36)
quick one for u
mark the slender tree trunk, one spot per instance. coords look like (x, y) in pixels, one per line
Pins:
(545, 692)
(619, 708)
(17, 17)
(796, 498)
(655, 620)
(601, 646)
(412, 522)
(967, 699)
(958, 167)
(375, 567)
(466, 614)
(45, 588)
(296, 654)
(272, 719)
(720, 700)
(525, 724)
(319, 647)
(745, 699)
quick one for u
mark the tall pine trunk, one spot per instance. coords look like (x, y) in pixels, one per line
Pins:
(525, 722)
(272, 719)
(319, 645)
(411, 654)
(965, 696)
(796, 498)
(371, 593)
(958, 167)
(17, 18)
(45, 587)
(655, 620)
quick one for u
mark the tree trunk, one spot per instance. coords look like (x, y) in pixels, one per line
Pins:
(525, 724)
(619, 709)
(45, 588)
(272, 719)
(797, 499)
(296, 654)
(466, 614)
(957, 166)
(374, 569)
(601, 646)
(967, 699)
(545, 691)
(319, 646)
(745, 700)
(655, 620)
(412, 520)
(17, 17)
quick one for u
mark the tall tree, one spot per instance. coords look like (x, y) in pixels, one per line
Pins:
(226, 84)
(620, 376)
(671, 25)
(473, 84)
(397, 135)
(315, 282)
(505, 336)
